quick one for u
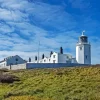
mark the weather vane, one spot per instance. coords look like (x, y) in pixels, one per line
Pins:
(83, 32)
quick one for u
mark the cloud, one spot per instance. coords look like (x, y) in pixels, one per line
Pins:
(24, 55)
(23, 23)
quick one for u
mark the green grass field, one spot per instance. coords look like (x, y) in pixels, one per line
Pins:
(53, 84)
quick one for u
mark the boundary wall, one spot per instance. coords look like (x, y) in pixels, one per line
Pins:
(52, 65)
(41, 65)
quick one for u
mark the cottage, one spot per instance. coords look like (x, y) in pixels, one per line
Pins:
(57, 58)
(11, 60)
(83, 54)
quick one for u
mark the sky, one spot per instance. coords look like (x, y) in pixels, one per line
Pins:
(55, 23)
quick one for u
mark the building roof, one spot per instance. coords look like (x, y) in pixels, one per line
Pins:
(5, 59)
(2, 61)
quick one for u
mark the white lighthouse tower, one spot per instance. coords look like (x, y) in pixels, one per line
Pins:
(83, 50)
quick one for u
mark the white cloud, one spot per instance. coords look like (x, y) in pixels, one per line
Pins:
(5, 28)
(23, 24)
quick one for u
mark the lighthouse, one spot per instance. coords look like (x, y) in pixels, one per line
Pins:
(83, 50)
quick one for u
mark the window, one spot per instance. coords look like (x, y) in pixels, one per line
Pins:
(16, 59)
(83, 39)
(68, 61)
(67, 57)
(86, 57)
(54, 56)
(54, 61)
(44, 60)
(80, 48)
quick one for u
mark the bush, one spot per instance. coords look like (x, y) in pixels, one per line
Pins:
(4, 70)
(6, 78)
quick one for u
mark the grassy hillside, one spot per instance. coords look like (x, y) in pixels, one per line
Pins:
(53, 84)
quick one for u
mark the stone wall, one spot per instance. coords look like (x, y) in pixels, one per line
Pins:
(4, 67)
(19, 66)
(14, 67)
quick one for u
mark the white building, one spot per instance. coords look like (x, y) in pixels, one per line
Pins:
(57, 58)
(83, 54)
(83, 50)
(12, 60)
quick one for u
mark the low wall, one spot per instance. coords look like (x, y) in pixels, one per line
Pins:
(19, 66)
(51, 65)
(5, 67)
(14, 67)
(41, 65)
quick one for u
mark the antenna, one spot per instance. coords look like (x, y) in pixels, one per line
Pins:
(38, 50)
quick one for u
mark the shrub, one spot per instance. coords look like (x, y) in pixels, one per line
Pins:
(4, 70)
(6, 78)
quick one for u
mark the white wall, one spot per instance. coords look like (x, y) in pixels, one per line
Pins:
(80, 53)
(87, 54)
(83, 50)
(3, 63)
(54, 58)
(64, 58)
(73, 60)
(45, 60)
(19, 66)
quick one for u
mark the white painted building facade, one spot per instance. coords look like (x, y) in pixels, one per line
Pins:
(57, 58)
(12, 60)
(83, 50)
(83, 54)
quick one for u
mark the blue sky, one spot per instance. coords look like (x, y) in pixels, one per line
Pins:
(54, 22)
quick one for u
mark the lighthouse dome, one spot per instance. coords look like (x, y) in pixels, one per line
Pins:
(83, 38)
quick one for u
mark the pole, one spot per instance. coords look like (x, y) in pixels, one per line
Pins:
(38, 51)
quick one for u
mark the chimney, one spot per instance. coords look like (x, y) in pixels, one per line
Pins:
(43, 56)
(35, 58)
(51, 53)
(61, 50)
(29, 59)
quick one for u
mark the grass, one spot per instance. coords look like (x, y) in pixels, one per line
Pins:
(81, 83)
